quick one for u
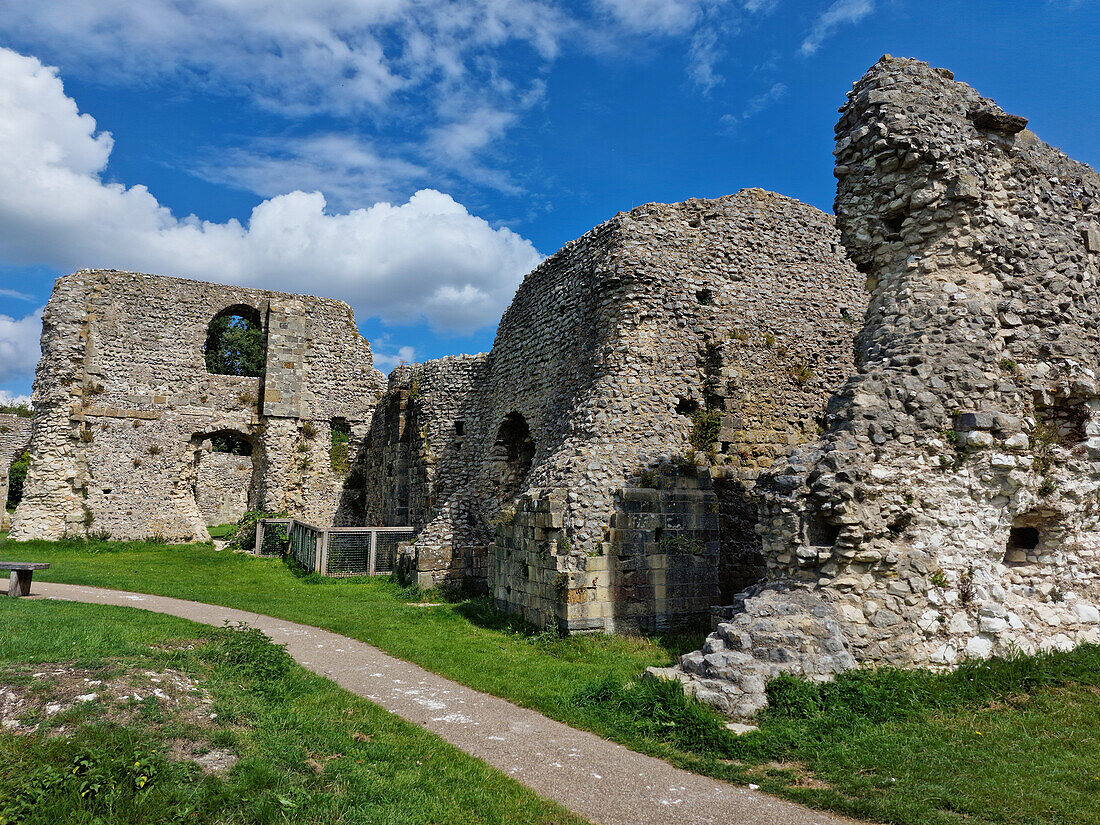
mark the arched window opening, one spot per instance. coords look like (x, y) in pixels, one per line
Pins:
(235, 343)
(230, 442)
(339, 445)
(513, 454)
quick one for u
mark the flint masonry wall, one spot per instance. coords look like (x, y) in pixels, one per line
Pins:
(574, 475)
(950, 508)
(125, 409)
(15, 437)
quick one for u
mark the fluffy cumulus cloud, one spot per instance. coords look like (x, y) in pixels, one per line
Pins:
(427, 258)
(19, 346)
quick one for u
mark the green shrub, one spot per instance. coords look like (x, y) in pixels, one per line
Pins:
(659, 709)
(705, 427)
(247, 651)
(245, 536)
(17, 476)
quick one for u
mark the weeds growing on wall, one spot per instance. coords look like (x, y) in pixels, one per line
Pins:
(705, 426)
(339, 447)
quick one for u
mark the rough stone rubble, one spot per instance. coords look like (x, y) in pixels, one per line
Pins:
(125, 410)
(874, 441)
(950, 507)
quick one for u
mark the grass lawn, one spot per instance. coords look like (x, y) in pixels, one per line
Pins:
(309, 752)
(1007, 743)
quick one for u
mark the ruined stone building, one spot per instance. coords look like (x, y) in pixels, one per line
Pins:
(559, 470)
(15, 438)
(874, 438)
(135, 437)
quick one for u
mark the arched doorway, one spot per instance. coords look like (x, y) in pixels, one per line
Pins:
(225, 480)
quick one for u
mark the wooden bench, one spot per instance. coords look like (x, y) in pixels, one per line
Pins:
(21, 571)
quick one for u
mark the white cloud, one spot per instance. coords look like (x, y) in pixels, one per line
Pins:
(386, 361)
(661, 16)
(19, 345)
(840, 13)
(424, 259)
(12, 293)
(777, 91)
(349, 169)
(305, 56)
(702, 57)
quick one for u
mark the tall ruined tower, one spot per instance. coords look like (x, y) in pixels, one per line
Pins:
(950, 508)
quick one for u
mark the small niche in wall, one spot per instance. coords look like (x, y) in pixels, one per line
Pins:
(705, 296)
(460, 428)
(1063, 422)
(893, 224)
(1021, 539)
(820, 533)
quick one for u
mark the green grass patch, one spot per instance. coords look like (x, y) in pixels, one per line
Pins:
(1012, 742)
(222, 531)
(309, 751)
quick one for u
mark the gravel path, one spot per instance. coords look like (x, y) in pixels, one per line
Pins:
(590, 776)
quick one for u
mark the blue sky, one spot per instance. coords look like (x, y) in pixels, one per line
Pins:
(416, 157)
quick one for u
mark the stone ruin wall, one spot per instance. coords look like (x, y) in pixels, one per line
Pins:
(742, 306)
(950, 509)
(15, 438)
(124, 408)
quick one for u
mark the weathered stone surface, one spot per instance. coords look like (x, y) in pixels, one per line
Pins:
(124, 409)
(739, 311)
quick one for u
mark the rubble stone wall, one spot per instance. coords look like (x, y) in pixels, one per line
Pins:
(224, 486)
(738, 311)
(950, 509)
(15, 437)
(124, 405)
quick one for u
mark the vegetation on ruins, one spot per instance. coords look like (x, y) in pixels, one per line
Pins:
(244, 537)
(17, 475)
(705, 426)
(22, 410)
(891, 745)
(339, 446)
(245, 735)
(235, 346)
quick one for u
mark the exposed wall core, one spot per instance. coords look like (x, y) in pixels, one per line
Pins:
(953, 498)
(603, 476)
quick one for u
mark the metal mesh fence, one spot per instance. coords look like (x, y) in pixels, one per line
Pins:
(385, 556)
(274, 537)
(343, 551)
(349, 553)
(304, 544)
